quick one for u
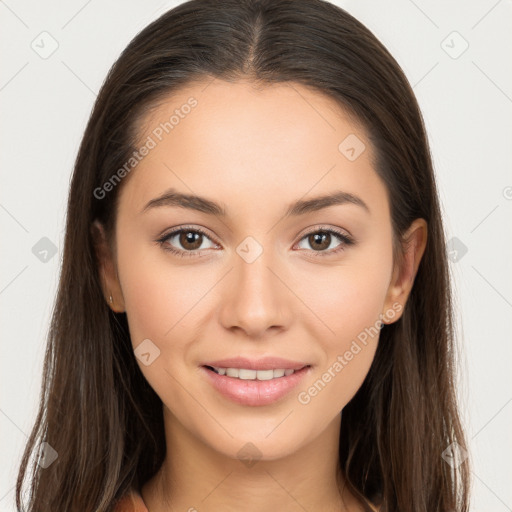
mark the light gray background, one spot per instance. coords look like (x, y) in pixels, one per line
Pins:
(466, 99)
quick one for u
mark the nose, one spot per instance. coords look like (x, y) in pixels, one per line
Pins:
(256, 299)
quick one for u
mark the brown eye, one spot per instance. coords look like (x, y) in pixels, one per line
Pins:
(320, 241)
(190, 240)
(185, 241)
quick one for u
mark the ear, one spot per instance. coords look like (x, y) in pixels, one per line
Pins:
(107, 268)
(414, 242)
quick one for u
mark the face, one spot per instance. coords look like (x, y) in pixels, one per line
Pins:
(258, 279)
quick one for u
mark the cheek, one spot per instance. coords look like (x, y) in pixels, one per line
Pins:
(349, 301)
(350, 297)
(157, 294)
(352, 315)
(159, 302)
(353, 318)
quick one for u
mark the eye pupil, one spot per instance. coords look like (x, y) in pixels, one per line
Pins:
(318, 238)
(189, 237)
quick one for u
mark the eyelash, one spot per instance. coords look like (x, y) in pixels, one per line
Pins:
(347, 241)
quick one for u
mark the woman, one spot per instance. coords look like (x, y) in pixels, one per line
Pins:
(254, 307)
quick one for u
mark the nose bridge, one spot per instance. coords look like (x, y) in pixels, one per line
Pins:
(257, 298)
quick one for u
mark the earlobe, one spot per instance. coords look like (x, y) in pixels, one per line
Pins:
(107, 268)
(413, 243)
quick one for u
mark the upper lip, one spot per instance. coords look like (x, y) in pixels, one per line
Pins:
(265, 363)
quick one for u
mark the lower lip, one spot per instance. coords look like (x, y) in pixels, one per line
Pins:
(255, 392)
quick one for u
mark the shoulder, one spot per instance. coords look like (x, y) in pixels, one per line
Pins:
(131, 502)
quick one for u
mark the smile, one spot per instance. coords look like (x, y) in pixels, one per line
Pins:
(248, 374)
(254, 387)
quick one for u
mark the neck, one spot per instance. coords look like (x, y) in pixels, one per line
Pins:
(194, 477)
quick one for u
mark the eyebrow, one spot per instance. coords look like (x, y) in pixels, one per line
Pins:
(192, 202)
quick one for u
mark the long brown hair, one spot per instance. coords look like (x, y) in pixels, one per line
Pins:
(98, 412)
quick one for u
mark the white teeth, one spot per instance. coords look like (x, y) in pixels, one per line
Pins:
(265, 374)
(232, 372)
(246, 374)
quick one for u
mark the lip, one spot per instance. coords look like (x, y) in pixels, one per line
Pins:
(264, 363)
(254, 392)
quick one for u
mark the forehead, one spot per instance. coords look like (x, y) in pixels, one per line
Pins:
(247, 114)
(242, 142)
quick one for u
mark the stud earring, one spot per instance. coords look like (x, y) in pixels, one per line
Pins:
(110, 299)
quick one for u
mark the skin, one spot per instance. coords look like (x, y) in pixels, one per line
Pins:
(255, 150)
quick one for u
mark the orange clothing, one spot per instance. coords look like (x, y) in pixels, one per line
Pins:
(131, 502)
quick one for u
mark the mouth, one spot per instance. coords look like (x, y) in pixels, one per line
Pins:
(250, 374)
(255, 383)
